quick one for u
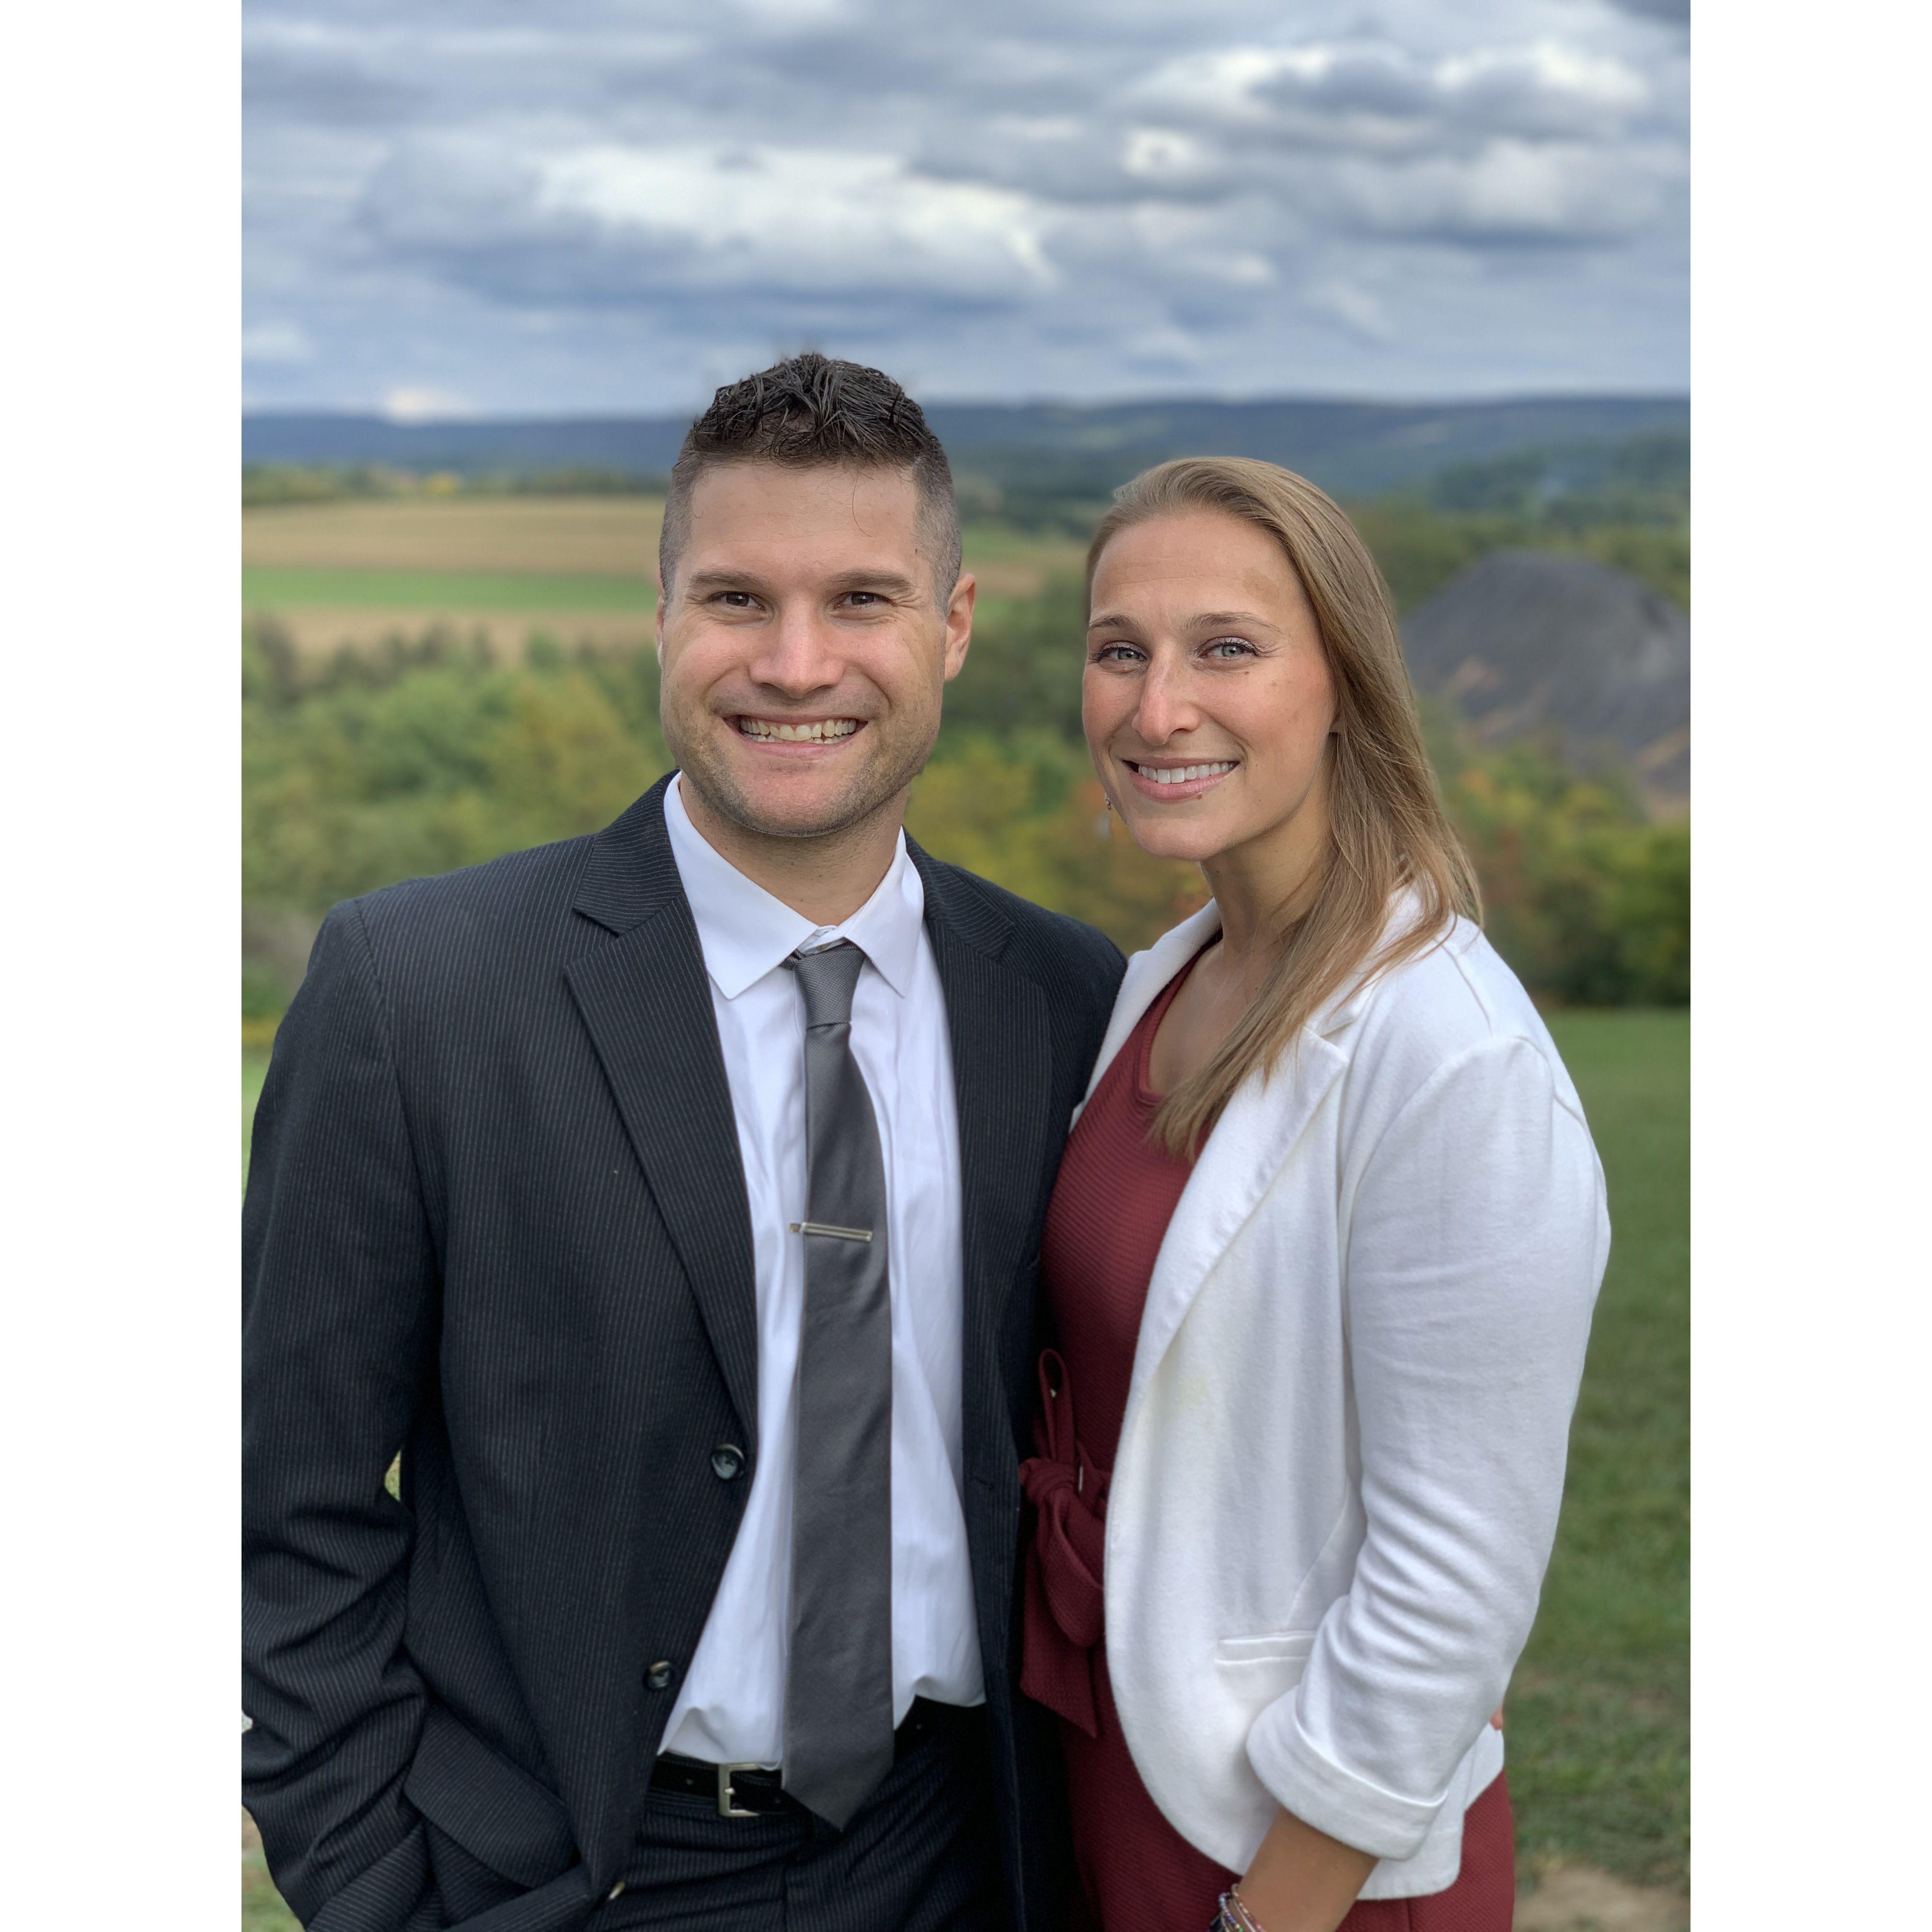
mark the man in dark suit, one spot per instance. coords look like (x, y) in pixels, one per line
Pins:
(670, 1198)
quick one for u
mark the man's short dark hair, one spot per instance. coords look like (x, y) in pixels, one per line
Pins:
(810, 409)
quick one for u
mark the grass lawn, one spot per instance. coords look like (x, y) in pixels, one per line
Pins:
(262, 1907)
(1599, 1714)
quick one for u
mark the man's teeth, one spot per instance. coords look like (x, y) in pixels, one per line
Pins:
(815, 733)
(1172, 775)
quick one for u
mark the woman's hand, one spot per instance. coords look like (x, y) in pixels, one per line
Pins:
(1301, 1879)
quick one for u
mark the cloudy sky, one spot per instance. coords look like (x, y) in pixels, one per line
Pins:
(613, 205)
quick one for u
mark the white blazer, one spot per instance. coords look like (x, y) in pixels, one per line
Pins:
(1338, 1477)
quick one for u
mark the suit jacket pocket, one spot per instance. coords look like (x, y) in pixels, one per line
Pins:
(465, 1885)
(480, 1804)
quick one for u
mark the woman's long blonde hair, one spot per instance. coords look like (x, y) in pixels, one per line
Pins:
(1387, 829)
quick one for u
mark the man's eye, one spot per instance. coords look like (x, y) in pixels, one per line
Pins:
(734, 600)
(864, 598)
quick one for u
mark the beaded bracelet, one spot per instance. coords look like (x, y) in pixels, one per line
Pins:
(1234, 1916)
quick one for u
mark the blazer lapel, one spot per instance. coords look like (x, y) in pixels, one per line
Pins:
(644, 996)
(1002, 1056)
(1254, 1135)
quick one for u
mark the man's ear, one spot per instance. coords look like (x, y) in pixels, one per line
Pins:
(663, 601)
(959, 624)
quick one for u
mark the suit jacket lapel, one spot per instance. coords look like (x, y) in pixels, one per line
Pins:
(1002, 1058)
(646, 1001)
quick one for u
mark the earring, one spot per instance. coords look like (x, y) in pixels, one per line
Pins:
(1103, 826)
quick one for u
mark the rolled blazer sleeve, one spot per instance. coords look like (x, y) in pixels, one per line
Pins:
(1473, 1253)
(338, 1291)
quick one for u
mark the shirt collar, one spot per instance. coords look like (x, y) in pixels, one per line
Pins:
(745, 933)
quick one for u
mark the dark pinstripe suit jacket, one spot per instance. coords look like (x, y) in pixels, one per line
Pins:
(495, 1217)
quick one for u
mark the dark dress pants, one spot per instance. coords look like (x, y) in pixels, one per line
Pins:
(919, 1856)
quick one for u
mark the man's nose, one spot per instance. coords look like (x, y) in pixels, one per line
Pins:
(796, 655)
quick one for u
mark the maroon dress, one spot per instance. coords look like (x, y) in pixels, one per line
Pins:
(1116, 1193)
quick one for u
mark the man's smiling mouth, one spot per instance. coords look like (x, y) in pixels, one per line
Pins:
(806, 731)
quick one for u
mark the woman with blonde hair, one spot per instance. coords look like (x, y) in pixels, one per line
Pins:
(1320, 1260)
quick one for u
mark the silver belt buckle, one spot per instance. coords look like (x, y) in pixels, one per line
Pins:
(726, 1809)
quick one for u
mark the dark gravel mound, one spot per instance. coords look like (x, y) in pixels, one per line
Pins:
(1527, 640)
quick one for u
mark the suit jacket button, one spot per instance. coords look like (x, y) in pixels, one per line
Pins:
(659, 1676)
(616, 1891)
(727, 1460)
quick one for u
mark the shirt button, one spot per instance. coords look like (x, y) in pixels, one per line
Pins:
(727, 1460)
(659, 1676)
(616, 1891)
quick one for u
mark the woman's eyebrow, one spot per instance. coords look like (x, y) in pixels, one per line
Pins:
(1230, 617)
(1119, 620)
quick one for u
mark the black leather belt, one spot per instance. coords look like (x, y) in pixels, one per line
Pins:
(751, 1791)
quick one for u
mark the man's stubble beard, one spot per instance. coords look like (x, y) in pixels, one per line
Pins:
(873, 790)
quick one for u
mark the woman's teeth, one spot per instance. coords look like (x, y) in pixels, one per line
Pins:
(816, 732)
(1175, 774)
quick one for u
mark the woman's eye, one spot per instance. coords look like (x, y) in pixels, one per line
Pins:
(1230, 647)
(1115, 654)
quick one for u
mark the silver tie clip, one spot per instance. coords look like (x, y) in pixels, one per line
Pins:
(826, 1228)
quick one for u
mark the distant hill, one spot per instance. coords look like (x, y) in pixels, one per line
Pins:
(1530, 640)
(1027, 450)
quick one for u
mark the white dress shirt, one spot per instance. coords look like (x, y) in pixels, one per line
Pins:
(731, 1707)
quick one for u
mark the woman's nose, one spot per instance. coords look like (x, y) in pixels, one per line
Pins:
(1164, 706)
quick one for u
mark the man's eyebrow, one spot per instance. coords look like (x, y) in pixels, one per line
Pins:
(891, 581)
(721, 579)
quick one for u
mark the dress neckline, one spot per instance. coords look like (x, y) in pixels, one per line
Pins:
(1144, 1096)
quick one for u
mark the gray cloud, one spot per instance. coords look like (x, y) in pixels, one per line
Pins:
(302, 74)
(586, 207)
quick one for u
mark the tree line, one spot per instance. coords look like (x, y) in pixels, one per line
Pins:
(433, 753)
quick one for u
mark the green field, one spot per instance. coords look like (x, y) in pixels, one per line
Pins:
(270, 587)
(1598, 1716)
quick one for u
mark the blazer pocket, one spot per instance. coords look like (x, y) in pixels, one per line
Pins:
(1277, 1648)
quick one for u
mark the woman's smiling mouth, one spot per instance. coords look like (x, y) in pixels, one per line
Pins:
(1169, 781)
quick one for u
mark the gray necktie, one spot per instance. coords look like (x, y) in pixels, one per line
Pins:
(839, 1686)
